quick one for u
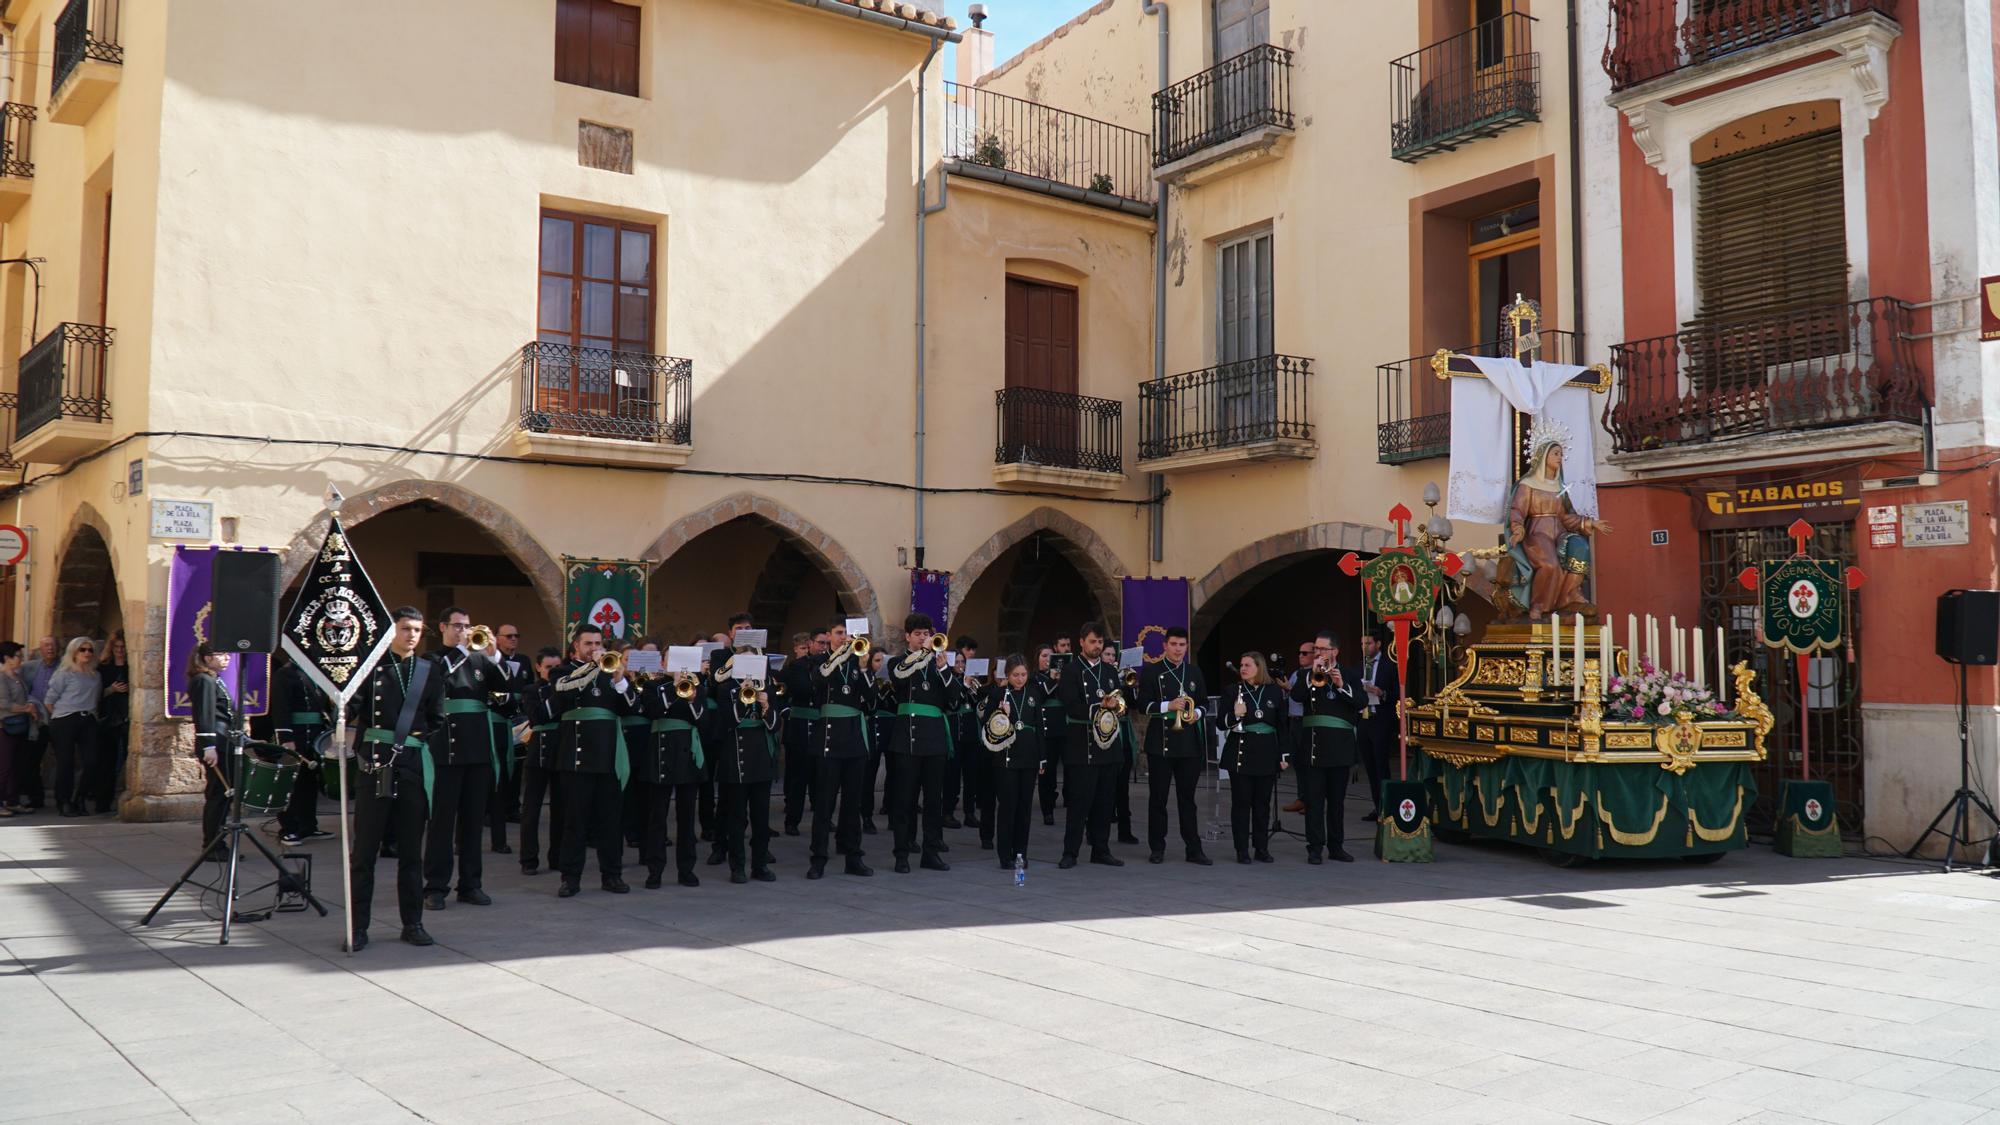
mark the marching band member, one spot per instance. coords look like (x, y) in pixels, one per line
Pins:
(506, 802)
(962, 770)
(1014, 752)
(1327, 750)
(667, 770)
(1053, 726)
(467, 763)
(301, 707)
(214, 715)
(925, 687)
(838, 685)
(881, 728)
(1171, 692)
(591, 702)
(1254, 754)
(1379, 727)
(745, 762)
(396, 710)
(539, 778)
(1294, 732)
(1090, 765)
(801, 713)
(1121, 780)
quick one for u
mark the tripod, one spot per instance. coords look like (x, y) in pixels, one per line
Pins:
(1961, 804)
(235, 831)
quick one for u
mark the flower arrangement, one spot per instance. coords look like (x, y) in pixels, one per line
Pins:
(1653, 695)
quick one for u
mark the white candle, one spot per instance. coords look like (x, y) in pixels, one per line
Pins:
(1700, 677)
(1652, 641)
(1576, 668)
(1680, 652)
(1555, 649)
(1632, 637)
(1673, 644)
(1721, 666)
(1604, 650)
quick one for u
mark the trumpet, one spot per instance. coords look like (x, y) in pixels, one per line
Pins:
(938, 643)
(685, 685)
(1130, 678)
(858, 646)
(478, 639)
(1317, 677)
(746, 692)
(1180, 716)
(1113, 702)
(611, 662)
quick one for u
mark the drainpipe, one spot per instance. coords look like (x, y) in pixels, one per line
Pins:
(1575, 190)
(1156, 485)
(925, 209)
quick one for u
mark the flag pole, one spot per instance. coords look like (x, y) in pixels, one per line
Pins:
(346, 845)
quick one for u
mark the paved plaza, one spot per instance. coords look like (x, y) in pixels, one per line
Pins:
(1486, 987)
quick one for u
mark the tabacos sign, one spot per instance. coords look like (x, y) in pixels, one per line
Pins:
(1775, 499)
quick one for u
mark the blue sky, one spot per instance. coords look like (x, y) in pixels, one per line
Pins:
(1017, 23)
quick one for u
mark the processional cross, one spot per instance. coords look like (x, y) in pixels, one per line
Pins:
(1524, 327)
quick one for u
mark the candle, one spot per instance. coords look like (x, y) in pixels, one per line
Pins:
(1632, 637)
(1721, 666)
(1555, 649)
(1700, 677)
(1604, 649)
(1673, 644)
(1652, 641)
(1576, 669)
(1680, 652)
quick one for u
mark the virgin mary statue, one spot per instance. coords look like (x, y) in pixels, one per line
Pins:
(1546, 538)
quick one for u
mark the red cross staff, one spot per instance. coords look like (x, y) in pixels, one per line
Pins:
(1852, 577)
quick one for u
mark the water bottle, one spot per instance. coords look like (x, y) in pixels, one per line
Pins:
(1020, 870)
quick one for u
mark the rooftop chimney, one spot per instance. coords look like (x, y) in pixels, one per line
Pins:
(975, 49)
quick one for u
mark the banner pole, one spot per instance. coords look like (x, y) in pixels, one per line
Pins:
(1805, 726)
(346, 846)
(1402, 688)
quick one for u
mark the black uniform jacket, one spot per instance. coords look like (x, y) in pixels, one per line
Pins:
(1054, 728)
(839, 683)
(1254, 753)
(924, 685)
(744, 750)
(1025, 705)
(1378, 721)
(465, 738)
(379, 702)
(666, 757)
(297, 699)
(1329, 745)
(1160, 684)
(214, 714)
(1083, 684)
(589, 745)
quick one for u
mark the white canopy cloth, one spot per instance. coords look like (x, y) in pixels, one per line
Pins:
(1482, 434)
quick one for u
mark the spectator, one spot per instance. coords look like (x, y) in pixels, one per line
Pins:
(114, 709)
(15, 717)
(70, 704)
(35, 673)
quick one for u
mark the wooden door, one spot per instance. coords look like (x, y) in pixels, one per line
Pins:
(1041, 422)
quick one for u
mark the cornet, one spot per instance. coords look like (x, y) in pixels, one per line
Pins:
(1317, 677)
(611, 662)
(938, 643)
(858, 646)
(1130, 678)
(746, 693)
(478, 639)
(1180, 716)
(685, 685)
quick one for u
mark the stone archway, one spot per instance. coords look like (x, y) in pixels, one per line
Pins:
(824, 553)
(1083, 548)
(86, 577)
(1219, 589)
(514, 538)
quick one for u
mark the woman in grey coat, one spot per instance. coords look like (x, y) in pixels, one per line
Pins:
(71, 707)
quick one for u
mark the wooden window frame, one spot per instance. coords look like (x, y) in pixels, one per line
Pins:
(590, 63)
(576, 275)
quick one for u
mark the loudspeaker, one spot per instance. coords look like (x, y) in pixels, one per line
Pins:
(245, 593)
(1968, 626)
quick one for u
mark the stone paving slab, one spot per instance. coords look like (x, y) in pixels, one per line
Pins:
(1487, 987)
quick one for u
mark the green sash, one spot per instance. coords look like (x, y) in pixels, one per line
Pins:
(307, 719)
(843, 711)
(926, 711)
(807, 713)
(661, 726)
(502, 733)
(1258, 728)
(478, 707)
(757, 724)
(412, 742)
(1333, 721)
(622, 764)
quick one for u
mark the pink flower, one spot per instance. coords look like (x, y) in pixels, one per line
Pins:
(1638, 712)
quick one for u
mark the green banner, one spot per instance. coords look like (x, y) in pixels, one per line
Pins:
(1401, 584)
(1802, 603)
(607, 593)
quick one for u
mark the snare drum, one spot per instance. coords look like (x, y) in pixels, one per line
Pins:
(267, 786)
(339, 756)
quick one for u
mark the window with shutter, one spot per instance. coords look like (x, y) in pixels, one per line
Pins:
(596, 295)
(1041, 364)
(597, 45)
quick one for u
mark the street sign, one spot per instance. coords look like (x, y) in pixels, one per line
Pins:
(183, 519)
(13, 544)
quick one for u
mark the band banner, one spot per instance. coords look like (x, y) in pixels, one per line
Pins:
(338, 626)
(189, 606)
(930, 594)
(608, 593)
(1150, 607)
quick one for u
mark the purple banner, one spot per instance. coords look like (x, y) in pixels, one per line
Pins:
(1151, 607)
(930, 593)
(189, 604)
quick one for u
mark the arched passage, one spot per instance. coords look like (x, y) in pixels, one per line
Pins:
(86, 591)
(1043, 574)
(749, 554)
(431, 544)
(1274, 593)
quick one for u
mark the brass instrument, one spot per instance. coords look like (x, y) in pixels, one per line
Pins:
(1317, 677)
(686, 684)
(746, 692)
(479, 639)
(858, 646)
(778, 690)
(1130, 678)
(1107, 720)
(611, 662)
(1180, 716)
(939, 643)
(1114, 702)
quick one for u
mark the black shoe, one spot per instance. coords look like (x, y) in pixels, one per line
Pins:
(738, 877)
(476, 897)
(501, 848)
(1156, 857)
(1049, 819)
(1313, 858)
(388, 851)
(433, 900)
(291, 839)
(791, 829)
(764, 875)
(1127, 838)
(319, 834)
(767, 859)
(1265, 857)
(652, 880)
(1372, 815)
(615, 884)
(688, 879)
(951, 821)
(856, 867)
(1341, 855)
(1106, 859)
(902, 865)
(973, 821)
(1067, 862)
(531, 868)
(360, 941)
(568, 889)
(1243, 857)
(716, 857)
(415, 935)
(933, 863)
(1200, 859)
(817, 870)
(708, 835)
(868, 826)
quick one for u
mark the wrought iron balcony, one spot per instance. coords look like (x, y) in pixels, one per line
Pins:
(17, 135)
(1255, 409)
(1226, 101)
(9, 465)
(1805, 369)
(1056, 430)
(1472, 85)
(993, 136)
(63, 379)
(624, 396)
(1412, 415)
(85, 29)
(1649, 39)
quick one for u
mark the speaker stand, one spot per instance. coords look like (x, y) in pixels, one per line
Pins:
(1963, 803)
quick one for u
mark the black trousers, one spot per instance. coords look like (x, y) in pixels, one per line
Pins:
(74, 738)
(1053, 751)
(537, 783)
(1014, 809)
(656, 800)
(1088, 806)
(1181, 774)
(801, 781)
(1324, 789)
(112, 738)
(1250, 810)
(301, 815)
(373, 816)
(505, 803)
(1376, 749)
(909, 776)
(28, 767)
(705, 811)
(953, 776)
(870, 805)
(979, 795)
(746, 812)
(839, 790)
(458, 816)
(1121, 797)
(592, 804)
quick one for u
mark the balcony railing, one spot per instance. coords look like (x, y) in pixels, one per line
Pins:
(1012, 135)
(9, 402)
(63, 376)
(1834, 365)
(1412, 421)
(1229, 99)
(1651, 38)
(1472, 85)
(1231, 404)
(17, 135)
(601, 393)
(85, 29)
(1033, 426)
